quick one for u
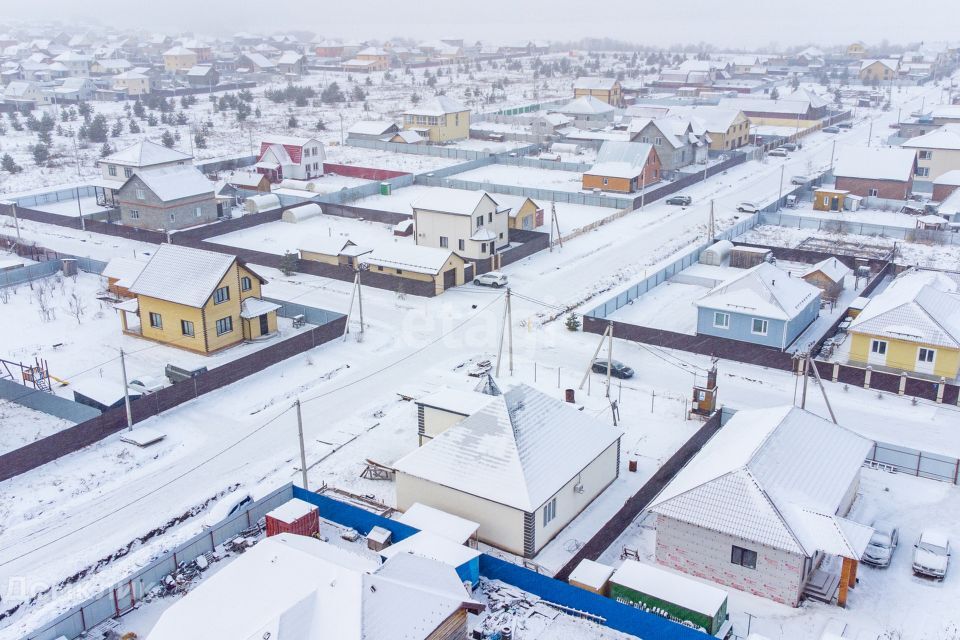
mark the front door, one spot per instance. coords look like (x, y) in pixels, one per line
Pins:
(835, 204)
(264, 325)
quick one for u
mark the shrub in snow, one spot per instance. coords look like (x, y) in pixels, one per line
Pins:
(573, 322)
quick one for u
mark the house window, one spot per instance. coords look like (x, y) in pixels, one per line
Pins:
(479, 221)
(549, 511)
(246, 283)
(221, 295)
(134, 214)
(444, 241)
(490, 216)
(461, 244)
(399, 272)
(141, 194)
(501, 235)
(923, 172)
(873, 193)
(127, 172)
(743, 557)
(199, 212)
(306, 153)
(924, 154)
(926, 355)
(759, 327)
(186, 327)
(224, 325)
(379, 267)
(112, 170)
(483, 247)
(605, 182)
(721, 320)
(658, 142)
(173, 217)
(155, 320)
(878, 347)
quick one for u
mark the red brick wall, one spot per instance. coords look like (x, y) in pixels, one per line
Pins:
(941, 191)
(889, 189)
(366, 173)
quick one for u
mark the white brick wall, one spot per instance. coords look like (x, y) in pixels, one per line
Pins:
(706, 554)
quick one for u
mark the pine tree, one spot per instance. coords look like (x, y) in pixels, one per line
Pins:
(200, 140)
(292, 122)
(573, 322)
(117, 128)
(289, 263)
(40, 153)
(45, 138)
(134, 127)
(332, 94)
(8, 164)
(105, 150)
(138, 109)
(167, 139)
(97, 131)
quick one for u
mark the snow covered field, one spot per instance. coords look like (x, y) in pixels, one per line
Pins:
(525, 177)
(279, 237)
(669, 306)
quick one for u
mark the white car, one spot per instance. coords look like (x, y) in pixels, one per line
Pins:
(931, 554)
(748, 207)
(493, 279)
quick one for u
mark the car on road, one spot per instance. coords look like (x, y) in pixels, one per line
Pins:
(617, 368)
(845, 125)
(931, 554)
(831, 129)
(801, 180)
(748, 207)
(779, 152)
(683, 201)
(790, 146)
(493, 279)
(882, 544)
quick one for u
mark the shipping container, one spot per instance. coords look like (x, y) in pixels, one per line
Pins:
(295, 516)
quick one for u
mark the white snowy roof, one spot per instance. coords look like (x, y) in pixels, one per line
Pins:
(290, 57)
(765, 105)
(409, 136)
(326, 245)
(255, 307)
(483, 234)
(586, 105)
(124, 270)
(409, 257)
(464, 403)
(290, 587)
(200, 70)
(292, 510)
(437, 106)
(595, 83)
(432, 546)
(259, 60)
(456, 201)
(830, 267)
(951, 178)
(441, 523)
(518, 450)
(244, 178)
(919, 306)
(764, 291)
(372, 127)
(175, 182)
(182, 275)
(946, 137)
(591, 573)
(760, 474)
(875, 163)
(292, 141)
(889, 64)
(146, 154)
(671, 587)
(179, 51)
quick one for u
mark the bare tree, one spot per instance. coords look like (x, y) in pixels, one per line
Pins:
(77, 305)
(5, 294)
(44, 305)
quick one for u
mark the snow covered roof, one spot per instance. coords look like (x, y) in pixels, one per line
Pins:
(291, 587)
(875, 163)
(409, 257)
(456, 201)
(441, 523)
(179, 51)
(764, 291)
(951, 178)
(620, 159)
(586, 105)
(434, 547)
(946, 137)
(373, 127)
(830, 267)
(200, 70)
(464, 403)
(146, 154)
(671, 587)
(18, 88)
(259, 60)
(518, 450)
(245, 179)
(591, 573)
(290, 57)
(766, 476)
(792, 107)
(182, 275)
(124, 270)
(175, 182)
(594, 83)
(327, 245)
(919, 306)
(292, 510)
(255, 307)
(292, 141)
(409, 136)
(893, 65)
(437, 106)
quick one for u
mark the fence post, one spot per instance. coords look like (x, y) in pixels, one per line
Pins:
(836, 371)
(903, 383)
(866, 377)
(940, 389)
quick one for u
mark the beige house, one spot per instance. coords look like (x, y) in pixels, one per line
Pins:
(937, 152)
(728, 128)
(179, 59)
(604, 89)
(120, 166)
(471, 223)
(879, 70)
(132, 83)
(440, 119)
(523, 467)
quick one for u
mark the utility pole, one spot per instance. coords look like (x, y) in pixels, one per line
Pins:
(503, 328)
(360, 298)
(609, 356)
(16, 221)
(83, 224)
(643, 186)
(803, 395)
(833, 150)
(783, 168)
(303, 453)
(596, 352)
(554, 222)
(126, 391)
(711, 228)
(870, 133)
(816, 374)
(510, 332)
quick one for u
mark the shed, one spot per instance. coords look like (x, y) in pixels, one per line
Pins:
(379, 538)
(670, 595)
(302, 212)
(100, 394)
(829, 199)
(748, 257)
(827, 275)
(261, 203)
(464, 560)
(716, 253)
(857, 306)
(446, 525)
(294, 516)
(592, 576)
(403, 228)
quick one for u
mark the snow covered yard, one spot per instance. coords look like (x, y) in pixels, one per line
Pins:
(278, 237)
(525, 177)
(21, 425)
(375, 158)
(75, 241)
(72, 208)
(669, 306)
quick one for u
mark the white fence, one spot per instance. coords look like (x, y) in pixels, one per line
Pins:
(783, 219)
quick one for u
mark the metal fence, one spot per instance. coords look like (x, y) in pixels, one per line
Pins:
(574, 197)
(51, 197)
(915, 462)
(439, 151)
(782, 219)
(45, 402)
(28, 273)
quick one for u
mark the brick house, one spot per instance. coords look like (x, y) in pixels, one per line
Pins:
(166, 198)
(623, 167)
(763, 503)
(879, 172)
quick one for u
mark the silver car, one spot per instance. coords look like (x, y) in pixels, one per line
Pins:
(931, 555)
(883, 542)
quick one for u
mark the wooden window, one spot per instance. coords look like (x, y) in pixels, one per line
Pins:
(479, 221)
(246, 283)
(156, 320)
(224, 325)
(141, 194)
(127, 172)
(221, 295)
(112, 169)
(743, 557)
(134, 214)
(186, 328)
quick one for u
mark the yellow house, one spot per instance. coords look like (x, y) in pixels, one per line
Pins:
(442, 267)
(179, 59)
(132, 83)
(857, 50)
(604, 89)
(439, 119)
(938, 152)
(878, 70)
(728, 128)
(912, 326)
(198, 300)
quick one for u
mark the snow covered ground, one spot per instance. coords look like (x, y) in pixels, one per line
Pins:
(669, 306)
(868, 216)
(279, 237)
(21, 425)
(525, 177)
(72, 208)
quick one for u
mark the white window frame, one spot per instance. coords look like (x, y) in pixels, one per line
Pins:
(227, 323)
(127, 172)
(549, 511)
(923, 172)
(725, 316)
(173, 217)
(926, 355)
(873, 193)
(185, 325)
(112, 169)
(764, 323)
(924, 154)
(246, 283)
(199, 212)
(141, 194)
(878, 347)
(444, 242)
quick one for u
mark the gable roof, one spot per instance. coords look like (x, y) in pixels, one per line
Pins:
(409, 257)
(373, 127)
(182, 275)
(875, 163)
(763, 290)
(830, 267)
(946, 137)
(179, 51)
(889, 64)
(586, 105)
(621, 159)
(518, 450)
(174, 182)
(950, 178)
(594, 83)
(456, 201)
(918, 306)
(145, 154)
(437, 106)
(767, 477)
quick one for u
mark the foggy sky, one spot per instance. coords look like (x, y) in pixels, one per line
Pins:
(723, 23)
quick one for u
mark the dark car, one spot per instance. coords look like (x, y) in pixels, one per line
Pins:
(846, 125)
(831, 129)
(683, 201)
(617, 369)
(790, 146)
